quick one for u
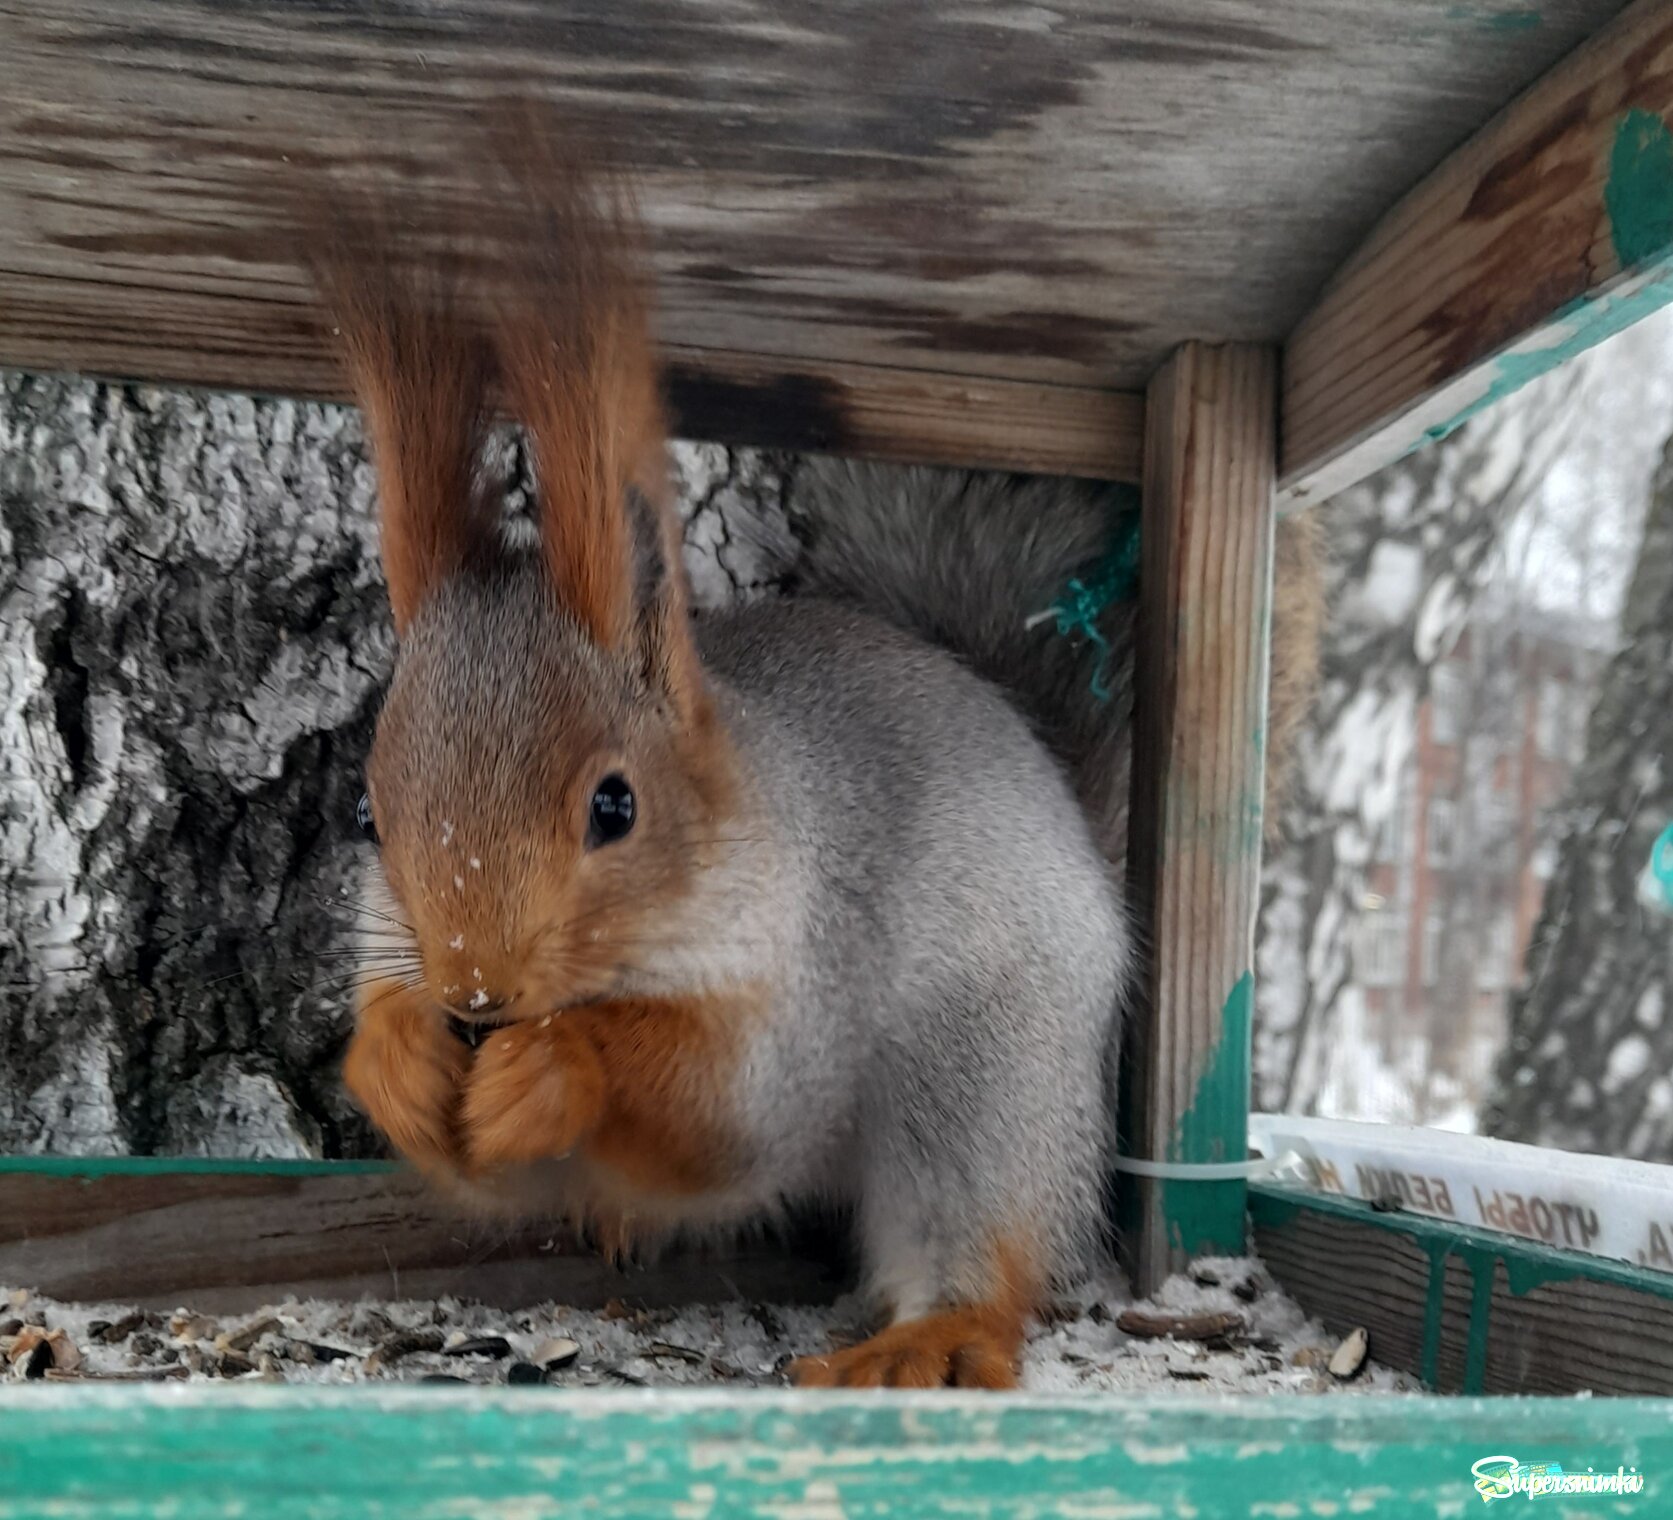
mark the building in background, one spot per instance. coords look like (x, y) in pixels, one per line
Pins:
(1458, 872)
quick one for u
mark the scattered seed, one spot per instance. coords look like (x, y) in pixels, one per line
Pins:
(1247, 1291)
(666, 1351)
(1206, 1326)
(403, 1343)
(1349, 1358)
(1204, 1278)
(193, 1327)
(557, 1353)
(33, 1342)
(117, 1332)
(442, 1377)
(1099, 1313)
(763, 1315)
(622, 1376)
(244, 1338)
(35, 1361)
(524, 1374)
(10, 1327)
(496, 1346)
(1188, 1374)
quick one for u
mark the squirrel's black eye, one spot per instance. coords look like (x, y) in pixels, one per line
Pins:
(363, 817)
(612, 811)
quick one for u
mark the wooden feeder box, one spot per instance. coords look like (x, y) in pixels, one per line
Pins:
(1241, 252)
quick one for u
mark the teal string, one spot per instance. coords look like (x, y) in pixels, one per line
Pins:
(1083, 602)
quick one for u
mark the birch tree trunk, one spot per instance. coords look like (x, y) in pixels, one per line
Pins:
(1591, 1043)
(193, 640)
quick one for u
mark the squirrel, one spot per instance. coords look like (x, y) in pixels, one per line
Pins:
(812, 900)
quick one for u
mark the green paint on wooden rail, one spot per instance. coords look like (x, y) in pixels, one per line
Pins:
(1638, 196)
(1639, 193)
(1495, 21)
(1210, 1217)
(92, 1168)
(205, 1451)
(1580, 325)
(1527, 1265)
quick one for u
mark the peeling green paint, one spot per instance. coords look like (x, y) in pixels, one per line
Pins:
(1527, 1265)
(1569, 332)
(1434, 1305)
(1638, 197)
(210, 1451)
(1481, 1324)
(1495, 21)
(1210, 1217)
(92, 1168)
(1639, 194)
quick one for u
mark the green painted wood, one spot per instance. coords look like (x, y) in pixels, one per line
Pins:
(1527, 1263)
(1469, 1310)
(424, 1453)
(91, 1167)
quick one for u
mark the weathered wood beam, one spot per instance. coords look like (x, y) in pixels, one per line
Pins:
(1465, 1310)
(1547, 232)
(911, 416)
(229, 1236)
(1194, 861)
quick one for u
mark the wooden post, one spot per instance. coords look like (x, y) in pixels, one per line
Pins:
(1198, 769)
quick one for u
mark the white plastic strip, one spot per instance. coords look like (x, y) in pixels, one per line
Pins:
(1596, 1204)
(1293, 1164)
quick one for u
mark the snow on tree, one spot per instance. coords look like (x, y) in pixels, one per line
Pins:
(1589, 1065)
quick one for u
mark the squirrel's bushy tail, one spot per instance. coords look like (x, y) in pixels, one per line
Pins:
(978, 563)
(981, 564)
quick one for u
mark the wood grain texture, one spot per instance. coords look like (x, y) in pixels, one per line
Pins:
(1556, 1323)
(222, 1450)
(1200, 702)
(236, 1239)
(1548, 231)
(1052, 196)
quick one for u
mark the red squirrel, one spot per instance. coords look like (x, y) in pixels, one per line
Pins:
(807, 901)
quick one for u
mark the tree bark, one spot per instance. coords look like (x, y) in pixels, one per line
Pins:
(193, 640)
(1591, 1041)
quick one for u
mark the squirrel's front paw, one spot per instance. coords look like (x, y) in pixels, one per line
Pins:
(534, 1093)
(404, 1069)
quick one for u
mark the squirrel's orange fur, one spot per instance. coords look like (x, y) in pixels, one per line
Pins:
(974, 1346)
(421, 376)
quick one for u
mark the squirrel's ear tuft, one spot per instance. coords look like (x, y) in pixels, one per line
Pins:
(420, 374)
(574, 338)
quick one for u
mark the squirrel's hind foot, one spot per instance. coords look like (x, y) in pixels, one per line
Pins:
(974, 1347)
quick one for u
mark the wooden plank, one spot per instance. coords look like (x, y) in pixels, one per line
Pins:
(230, 1236)
(912, 416)
(1056, 196)
(196, 1452)
(1468, 1310)
(1205, 597)
(1547, 232)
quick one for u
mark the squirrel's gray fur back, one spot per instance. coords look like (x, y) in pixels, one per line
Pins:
(965, 560)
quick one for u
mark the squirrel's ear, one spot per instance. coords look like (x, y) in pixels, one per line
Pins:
(420, 375)
(580, 371)
(662, 620)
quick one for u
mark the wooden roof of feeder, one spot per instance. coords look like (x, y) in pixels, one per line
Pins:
(960, 232)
